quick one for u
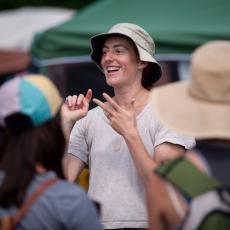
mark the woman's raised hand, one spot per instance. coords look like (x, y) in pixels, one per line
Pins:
(75, 107)
(122, 119)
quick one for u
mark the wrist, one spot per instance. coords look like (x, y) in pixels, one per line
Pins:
(131, 134)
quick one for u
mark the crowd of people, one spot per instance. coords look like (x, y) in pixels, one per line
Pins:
(146, 170)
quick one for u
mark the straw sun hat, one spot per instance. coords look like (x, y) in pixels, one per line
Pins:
(200, 107)
(142, 40)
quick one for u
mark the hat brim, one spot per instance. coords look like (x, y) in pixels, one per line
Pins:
(97, 43)
(177, 109)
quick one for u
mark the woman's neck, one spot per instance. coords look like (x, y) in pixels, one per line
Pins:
(125, 95)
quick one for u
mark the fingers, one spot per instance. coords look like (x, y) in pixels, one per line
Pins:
(80, 99)
(112, 108)
(99, 103)
(74, 101)
(111, 101)
(71, 101)
(89, 95)
(115, 106)
(103, 106)
(85, 103)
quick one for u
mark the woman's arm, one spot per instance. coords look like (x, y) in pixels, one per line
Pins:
(72, 167)
(74, 108)
(167, 151)
(166, 207)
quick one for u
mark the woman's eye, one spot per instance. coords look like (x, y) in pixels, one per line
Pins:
(103, 52)
(119, 51)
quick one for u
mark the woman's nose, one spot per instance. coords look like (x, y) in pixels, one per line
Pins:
(108, 56)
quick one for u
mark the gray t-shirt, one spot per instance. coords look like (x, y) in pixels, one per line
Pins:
(114, 180)
(62, 206)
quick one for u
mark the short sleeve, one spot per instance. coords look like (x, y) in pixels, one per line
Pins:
(163, 134)
(77, 143)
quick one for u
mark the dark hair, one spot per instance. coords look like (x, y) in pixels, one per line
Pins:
(147, 81)
(3, 141)
(23, 149)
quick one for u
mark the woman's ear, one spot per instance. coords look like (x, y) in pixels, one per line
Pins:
(143, 64)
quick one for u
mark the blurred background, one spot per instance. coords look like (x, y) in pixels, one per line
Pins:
(52, 37)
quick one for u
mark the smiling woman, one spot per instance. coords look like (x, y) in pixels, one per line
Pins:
(120, 140)
(120, 62)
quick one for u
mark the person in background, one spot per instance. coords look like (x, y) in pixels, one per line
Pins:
(193, 191)
(120, 140)
(33, 191)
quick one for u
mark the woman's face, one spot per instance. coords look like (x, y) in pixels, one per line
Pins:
(120, 62)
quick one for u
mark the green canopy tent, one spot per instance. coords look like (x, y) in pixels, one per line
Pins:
(177, 27)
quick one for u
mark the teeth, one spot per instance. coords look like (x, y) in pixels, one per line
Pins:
(113, 68)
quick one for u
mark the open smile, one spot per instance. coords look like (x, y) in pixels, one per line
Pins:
(112, 69)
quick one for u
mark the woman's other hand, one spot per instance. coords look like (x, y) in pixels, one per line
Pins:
(122, 119)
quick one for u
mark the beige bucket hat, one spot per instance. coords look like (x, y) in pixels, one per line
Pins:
(142, 40)
(200, 107)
